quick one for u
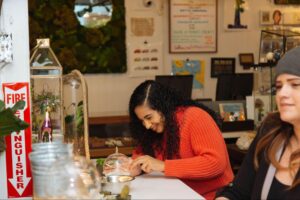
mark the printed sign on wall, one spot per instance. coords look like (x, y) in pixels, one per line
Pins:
(19, 179)
(194, 67)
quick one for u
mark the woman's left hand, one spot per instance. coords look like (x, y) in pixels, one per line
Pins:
(148, 164)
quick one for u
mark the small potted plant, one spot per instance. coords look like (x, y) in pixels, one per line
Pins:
(9, 122)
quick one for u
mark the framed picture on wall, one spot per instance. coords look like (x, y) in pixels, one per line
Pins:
(265, 17)
(221, 66)
(246, 60)
(189, 33)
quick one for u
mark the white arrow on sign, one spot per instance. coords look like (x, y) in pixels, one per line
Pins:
(18, 150)
(19, 179)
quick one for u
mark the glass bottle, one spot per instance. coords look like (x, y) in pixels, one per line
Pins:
(46, 129)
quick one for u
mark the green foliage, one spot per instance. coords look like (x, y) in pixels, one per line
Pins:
(100, 161)
(77, 119)
(239, 4)
(8, 121)
(90, 50)
(45, 99)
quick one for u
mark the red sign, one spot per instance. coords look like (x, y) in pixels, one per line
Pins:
(19, 179)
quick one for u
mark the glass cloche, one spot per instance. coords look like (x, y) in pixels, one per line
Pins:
(76, 112)
(116, 164)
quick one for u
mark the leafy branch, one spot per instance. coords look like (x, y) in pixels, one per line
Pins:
(9, 122)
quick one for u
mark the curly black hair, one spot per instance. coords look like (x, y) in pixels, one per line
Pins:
(165, 101)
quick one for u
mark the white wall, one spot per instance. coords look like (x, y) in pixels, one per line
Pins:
(109, 93)
(14, 16)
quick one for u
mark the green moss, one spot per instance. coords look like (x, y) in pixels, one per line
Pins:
(90, 50)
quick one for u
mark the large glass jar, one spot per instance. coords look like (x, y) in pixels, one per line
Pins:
(46, 90)
(75, 112)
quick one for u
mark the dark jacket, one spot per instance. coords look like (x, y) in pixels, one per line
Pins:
(248, 182)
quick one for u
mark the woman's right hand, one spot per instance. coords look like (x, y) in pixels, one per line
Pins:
(221, 198)
(135, 170)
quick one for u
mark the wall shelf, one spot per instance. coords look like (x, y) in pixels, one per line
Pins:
(108, 120)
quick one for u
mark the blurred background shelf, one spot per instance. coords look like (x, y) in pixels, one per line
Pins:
(106, 132)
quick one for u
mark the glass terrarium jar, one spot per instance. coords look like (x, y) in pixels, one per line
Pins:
(116, 164)
(277, 42)
(75, 112)
(46, 93)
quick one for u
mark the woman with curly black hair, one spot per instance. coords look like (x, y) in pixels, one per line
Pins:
(178, 137)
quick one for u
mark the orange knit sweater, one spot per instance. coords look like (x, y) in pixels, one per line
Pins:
(204, 164)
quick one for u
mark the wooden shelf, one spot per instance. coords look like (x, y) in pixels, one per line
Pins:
(108, 120)
(104, 152)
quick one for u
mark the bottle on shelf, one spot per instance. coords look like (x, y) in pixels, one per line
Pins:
(46, 129)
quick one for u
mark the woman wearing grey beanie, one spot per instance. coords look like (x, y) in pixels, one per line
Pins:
(271, 168)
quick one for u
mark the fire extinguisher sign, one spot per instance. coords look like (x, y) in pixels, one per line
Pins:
(19, 179)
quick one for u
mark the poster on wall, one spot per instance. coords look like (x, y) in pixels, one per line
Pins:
(193, 67)
(192, 26)
(236, 15)
(142, 26)
(144, 59)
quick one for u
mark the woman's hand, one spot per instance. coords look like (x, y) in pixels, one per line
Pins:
(135, 171)
(148, 164)
(221, 198)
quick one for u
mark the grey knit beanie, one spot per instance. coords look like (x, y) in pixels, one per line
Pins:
(289, 63)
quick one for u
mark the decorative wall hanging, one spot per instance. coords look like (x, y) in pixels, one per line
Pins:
(236, 15)
(145, 59)
(193, 67)
(192, 26)
(221, 66)
(6, 51)
(90, 50)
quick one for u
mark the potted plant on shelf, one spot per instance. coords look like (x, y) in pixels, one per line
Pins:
(9, 122)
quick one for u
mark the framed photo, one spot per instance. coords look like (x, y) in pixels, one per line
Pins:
(189, 33)
(246, 60)
(232, 112)
(265, 17)
(221, 66)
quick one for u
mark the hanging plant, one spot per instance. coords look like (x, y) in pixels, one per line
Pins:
(90, 50)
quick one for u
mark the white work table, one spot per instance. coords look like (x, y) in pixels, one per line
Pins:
(157, 186)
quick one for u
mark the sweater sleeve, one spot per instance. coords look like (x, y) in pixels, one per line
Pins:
(137, 152)
(206, 144)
